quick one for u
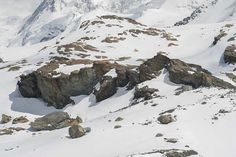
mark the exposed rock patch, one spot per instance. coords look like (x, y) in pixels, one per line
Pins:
(145, 92)
(230, 54)
(52, 121)
(56, 91)
(20, 119)
(5, 119)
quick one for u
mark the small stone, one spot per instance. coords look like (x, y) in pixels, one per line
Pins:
(159, 135)
(5, 119)
(20, 120)
(204, 103)
(166, 119)
(119, 119)
(76, 131)
(117, 126)
(171, 140)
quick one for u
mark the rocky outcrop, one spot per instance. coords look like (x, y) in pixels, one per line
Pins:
(230, 54)
(1, 61)
(52, 121)
(76, 131)
(193, 75)
(180, 73)
(57, 90)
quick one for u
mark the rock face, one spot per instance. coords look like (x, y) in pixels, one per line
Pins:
(180, 73)
(5, 119)
(230, 54)
(52, 121)
(152, 67)
(76, 131)
(166, 119)
(57, 90)
(107, 89)
(1, 61)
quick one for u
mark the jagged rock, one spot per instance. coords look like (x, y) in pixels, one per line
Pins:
(193, 75)
(144, 92)
(166, 119)
(28, 86)
(107, 89)
(1, 61)
(152, 67)
(20, 119)
(230, 54)
(52, 121)
(56, 91)
(5, 119)
(76, 131)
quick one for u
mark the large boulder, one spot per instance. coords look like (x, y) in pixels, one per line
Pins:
(52, 121)
(230, 54)
(56, 91)
(76, 131)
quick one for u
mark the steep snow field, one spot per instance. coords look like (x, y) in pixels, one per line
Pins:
(32, 33)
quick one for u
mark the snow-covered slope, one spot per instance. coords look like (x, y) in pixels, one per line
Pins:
(126, 32)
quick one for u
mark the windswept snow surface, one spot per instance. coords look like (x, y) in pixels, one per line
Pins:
(30, 38)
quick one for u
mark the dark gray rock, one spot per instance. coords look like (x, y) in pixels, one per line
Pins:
(76, 131)
(56, 91)
(1, 61)
(52, 121)
(230, 54)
